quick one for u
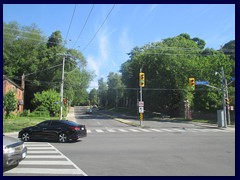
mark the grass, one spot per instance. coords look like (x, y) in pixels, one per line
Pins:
(133, 112)
(17, 123)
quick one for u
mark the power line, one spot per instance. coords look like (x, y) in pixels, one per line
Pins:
(83, 26)
(141, 49)
(98, 29)
(43, 70)
(70, 22)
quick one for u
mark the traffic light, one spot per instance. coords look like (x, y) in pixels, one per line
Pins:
(141, 79)
(192, 84)
(227, 101)
(65, 101)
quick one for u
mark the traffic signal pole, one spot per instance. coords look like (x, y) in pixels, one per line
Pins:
(140, 99)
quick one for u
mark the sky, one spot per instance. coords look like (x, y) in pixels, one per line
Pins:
(105, 33)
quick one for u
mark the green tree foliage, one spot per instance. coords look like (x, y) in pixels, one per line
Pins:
(93, 96)
(102, 92)
(48, 99)
(115, 89)
(9, 102)
(167, 66)
(229, 49)
(27, 51)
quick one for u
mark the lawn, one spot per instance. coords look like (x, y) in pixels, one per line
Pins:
(17, 123)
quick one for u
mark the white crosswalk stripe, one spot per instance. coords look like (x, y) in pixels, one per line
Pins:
(162, 130)
(45, 159)
(99, 130)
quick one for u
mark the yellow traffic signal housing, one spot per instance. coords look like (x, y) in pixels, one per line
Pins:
(141, 79)
(227, 101)
(192, 85)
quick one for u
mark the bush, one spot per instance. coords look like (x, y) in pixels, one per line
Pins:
(40, 111)
(39, 114)
(25, 113)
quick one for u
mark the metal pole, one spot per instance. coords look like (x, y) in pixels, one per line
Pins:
(228, 109)
(224, 96)
(140, 98)
(61, 93)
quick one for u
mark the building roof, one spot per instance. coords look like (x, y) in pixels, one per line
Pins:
(13, 83)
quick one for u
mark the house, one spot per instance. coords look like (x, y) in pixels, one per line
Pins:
(18, 90)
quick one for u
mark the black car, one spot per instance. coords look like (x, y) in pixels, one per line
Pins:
(14, 151)
(57, 130)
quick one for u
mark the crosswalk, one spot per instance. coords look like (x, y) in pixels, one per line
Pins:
(149, 130)
(44, 159)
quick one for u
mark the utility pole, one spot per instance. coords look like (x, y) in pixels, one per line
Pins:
(61, 90)
(224, 97)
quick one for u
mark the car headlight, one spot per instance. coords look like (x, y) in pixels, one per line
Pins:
(8, 150)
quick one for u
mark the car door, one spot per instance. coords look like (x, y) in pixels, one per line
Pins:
(53, 129)
(42, 130)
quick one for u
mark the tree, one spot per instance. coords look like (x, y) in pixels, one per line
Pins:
(55, 40)
(102, 92)
(9, 102)
(93, 96)
(115, 89)
(167, 66)
(229, 49)
(48, 99)
(26, 50)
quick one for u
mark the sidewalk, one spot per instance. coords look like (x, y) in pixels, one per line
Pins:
(71, 115)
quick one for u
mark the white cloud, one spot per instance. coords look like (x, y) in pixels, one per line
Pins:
(125, 42)
(104, 46)
(93, 64)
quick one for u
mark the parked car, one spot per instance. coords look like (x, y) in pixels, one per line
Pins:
(57, 130)
(14, 151)
(89, 111)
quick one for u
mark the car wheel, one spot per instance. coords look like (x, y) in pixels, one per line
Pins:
(62, 137)
(25, 136)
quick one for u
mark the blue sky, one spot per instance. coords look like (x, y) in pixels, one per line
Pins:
(127, 26)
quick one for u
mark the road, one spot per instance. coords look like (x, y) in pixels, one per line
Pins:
(165, 148)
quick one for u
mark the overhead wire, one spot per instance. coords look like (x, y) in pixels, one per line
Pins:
(98, 29)
(70, 23)
(83, 26)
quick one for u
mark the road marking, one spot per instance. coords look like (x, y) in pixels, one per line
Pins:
(169, 130)
(39, 148)
(46, 162)
(44, 157)
(99, 130)
(157, 130)
(89, 131)
(42, 152)
(45, 171)
(48, 153)
(122, 130)
(110, 130)
(179, 130)
(145, 130)
(134, 130)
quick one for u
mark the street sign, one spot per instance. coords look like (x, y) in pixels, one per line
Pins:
(233, 79)
(141, 116)
(141, 103)
(141, 109)
(202, 82)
